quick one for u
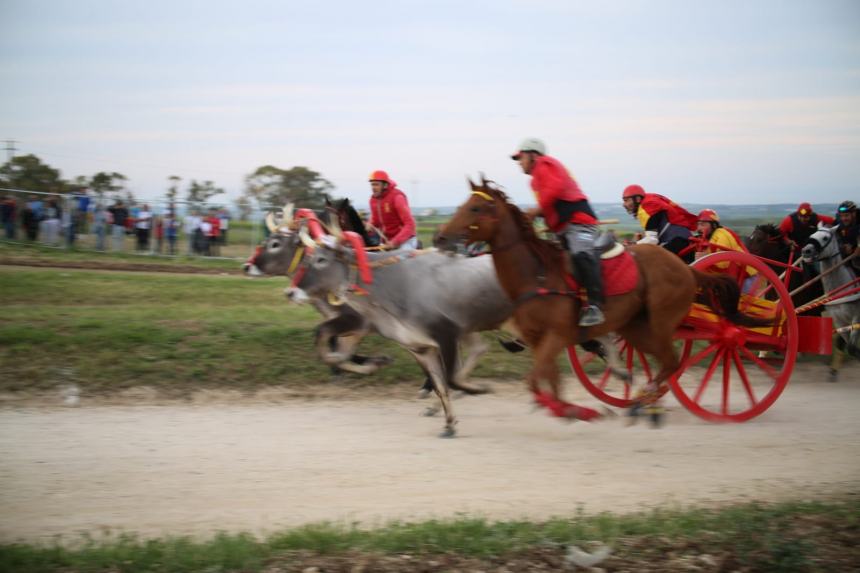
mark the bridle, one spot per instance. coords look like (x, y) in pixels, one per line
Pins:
(494, 219)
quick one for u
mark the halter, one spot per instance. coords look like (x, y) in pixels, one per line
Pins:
(821, 247)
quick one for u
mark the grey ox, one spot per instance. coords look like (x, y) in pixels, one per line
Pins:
(429, 303)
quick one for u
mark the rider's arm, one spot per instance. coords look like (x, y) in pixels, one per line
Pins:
(650, 238)
(407, 231)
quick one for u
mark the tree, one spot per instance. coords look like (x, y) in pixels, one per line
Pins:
(272, 186)
(104, 182)
(29, 173)
(243, 205)
(201, 192)
(173, 190)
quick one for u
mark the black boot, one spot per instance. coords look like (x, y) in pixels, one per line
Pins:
(588, 271)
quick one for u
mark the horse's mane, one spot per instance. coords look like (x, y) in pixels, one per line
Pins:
(769, 229)
(548, 252)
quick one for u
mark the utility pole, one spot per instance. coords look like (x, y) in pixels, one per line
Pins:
(10, 149)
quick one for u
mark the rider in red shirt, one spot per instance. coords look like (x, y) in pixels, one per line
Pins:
(567, 213)
(800, 225)
(390, 213)
(666, 223)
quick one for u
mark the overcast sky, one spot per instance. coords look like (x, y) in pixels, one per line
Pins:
(730, 102)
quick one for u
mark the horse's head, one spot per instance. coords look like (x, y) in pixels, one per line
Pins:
(822, 244)
(766, 241)
(475, 220)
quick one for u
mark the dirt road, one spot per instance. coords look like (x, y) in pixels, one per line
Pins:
(259, 466)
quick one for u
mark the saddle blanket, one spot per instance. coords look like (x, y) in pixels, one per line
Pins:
(620, 275)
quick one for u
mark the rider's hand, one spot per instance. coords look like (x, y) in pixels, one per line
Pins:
(533, 213)
(388, 246)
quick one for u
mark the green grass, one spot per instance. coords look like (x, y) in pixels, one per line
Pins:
(26, 253)
(108, 331)
(778, 537)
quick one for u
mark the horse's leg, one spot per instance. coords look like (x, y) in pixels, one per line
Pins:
(430, 360)
(659, 345)
(546, 368)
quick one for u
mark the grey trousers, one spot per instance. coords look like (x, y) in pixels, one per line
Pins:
(579, 238)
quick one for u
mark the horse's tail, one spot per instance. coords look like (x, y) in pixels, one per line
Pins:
(723, 294)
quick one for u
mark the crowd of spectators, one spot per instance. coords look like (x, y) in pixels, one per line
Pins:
(54, 219)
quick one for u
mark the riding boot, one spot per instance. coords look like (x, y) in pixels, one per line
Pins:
(588, 271)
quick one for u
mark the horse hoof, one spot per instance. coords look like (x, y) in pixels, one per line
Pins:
(656, 418)
(424, 393)
(834, 376)
(430, 411)
(448, 433)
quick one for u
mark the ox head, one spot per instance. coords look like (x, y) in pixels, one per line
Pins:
(476, 220)
(318, 265)
(822, 244)
(274, 255)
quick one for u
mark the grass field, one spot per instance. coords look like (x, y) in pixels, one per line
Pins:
(785, 537)
(107, 331)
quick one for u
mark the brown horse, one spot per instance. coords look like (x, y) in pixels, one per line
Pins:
(532, 273)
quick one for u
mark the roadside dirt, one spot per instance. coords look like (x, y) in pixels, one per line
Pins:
(262, 463)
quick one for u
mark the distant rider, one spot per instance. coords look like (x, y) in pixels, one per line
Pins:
(666, 223)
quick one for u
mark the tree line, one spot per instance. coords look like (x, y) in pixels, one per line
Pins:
(265, 186)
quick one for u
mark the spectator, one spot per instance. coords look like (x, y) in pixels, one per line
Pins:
(8, 215)
(69, 223)
(51, 222)
(82, 208)
(224, 218)
(192, 228)
(143, 226)
(30, 222)
(171, 232)
(37, 206)
(158, 230)
(119, 219)
(101, 220)
(213, 237)
(202, 236)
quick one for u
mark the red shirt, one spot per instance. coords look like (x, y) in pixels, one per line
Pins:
(551, 182)
(653, 203)
(787, 227)
(390, 213)
(215, 226)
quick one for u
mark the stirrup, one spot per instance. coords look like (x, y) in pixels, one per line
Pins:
(591, 316)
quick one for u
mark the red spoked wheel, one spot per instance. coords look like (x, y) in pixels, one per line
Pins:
(597, 378)
(746, 384)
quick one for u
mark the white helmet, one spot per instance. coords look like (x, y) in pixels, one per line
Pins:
(530, 144)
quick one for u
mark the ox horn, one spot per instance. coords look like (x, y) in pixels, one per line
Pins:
(288, 213)
(270, 223)
(335, 227)
(306, 239)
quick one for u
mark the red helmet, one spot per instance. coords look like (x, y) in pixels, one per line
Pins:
(804, 209)
(709, 215)
(380, 175)
(633, 191)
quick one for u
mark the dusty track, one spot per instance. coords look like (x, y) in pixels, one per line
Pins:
(259, 466)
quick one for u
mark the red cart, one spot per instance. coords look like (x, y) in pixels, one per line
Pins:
(728, 373)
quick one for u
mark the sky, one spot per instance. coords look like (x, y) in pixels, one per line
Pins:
(725, 101)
